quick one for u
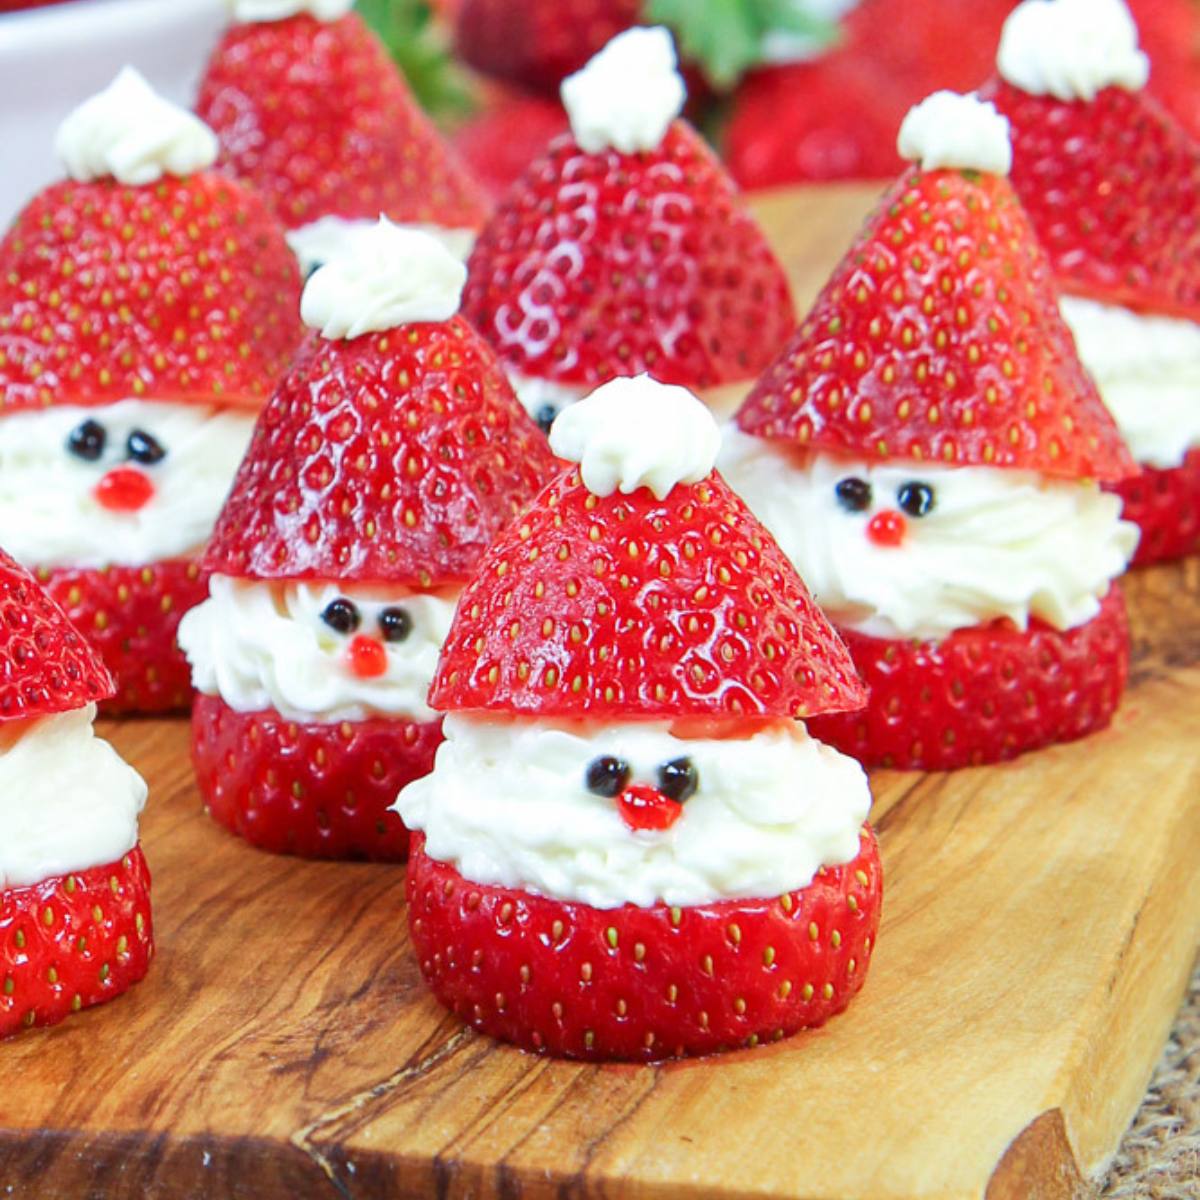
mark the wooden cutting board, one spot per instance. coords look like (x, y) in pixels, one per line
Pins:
(1039, 924)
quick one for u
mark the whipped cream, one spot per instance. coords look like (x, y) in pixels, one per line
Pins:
(263, 645)
(506, 804)
(130, 132)
(635, 432)
(246, 11)
(389, 276)
(961, 132)
(543, 399)
(1148, 371)
(49, 516)
(68, 801)
(327, 238)
(1071, 49)
(628, 95)
(997, 542)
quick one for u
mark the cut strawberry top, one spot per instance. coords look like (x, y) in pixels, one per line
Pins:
(939, 339)
(181, 290)
(315, 115)
(395, 457)
(45, 666)
(1113, 189)
(599, 265)
(633, 607)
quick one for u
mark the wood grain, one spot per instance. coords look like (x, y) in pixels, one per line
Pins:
(1039, 924)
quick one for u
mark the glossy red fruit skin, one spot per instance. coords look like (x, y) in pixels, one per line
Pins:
(52, 925)
(1165, 506)
(632, 607)
(501, 141)
(130, 616)
(938, 338)
(552, 977)
(966, 700)
(316, 117)
(609, 264)
(309, 789)
(182, 290)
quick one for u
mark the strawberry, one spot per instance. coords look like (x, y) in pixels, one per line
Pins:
(316, 790)
(939, 338)
(607, 264)
(314, 115)
(983, 694)
(640, 608)
(73, 941)
(1165, 505)
(130, 615)
(643, 983)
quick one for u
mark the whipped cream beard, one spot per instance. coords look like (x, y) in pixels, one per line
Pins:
(116, 484)
(68, 801)
(543, 399)
(317, 652)
(328, 238)
(1148, 371)
(533, 805)
(918, 551)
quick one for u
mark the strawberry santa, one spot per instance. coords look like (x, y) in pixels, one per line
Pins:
(147, 307)
(629, 847)
(625, 248)
(1111, 184)
(391, 454)
(75, 927)
(311, 111)
(926, 450)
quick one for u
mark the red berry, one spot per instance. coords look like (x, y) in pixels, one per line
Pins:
(124, 489)
(367, 657)
(1165, 506)
(887, 528)
(643, 807)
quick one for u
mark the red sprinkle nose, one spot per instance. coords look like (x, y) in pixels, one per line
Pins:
(887, 528)
(644, 807)
(366, 657)
(124, 489)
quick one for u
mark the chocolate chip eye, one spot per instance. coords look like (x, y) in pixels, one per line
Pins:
(395, 624)
(342, 615)
(678, 779)
(607, 776)
(544, 417)
(87, 440)
(144, 448)
(916, 499)
(853, 494)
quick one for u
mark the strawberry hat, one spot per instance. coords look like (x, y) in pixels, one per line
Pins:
(938, 337)
(625, 248)
(311, 111)
(1110, 180)
(394, 450)
(677, 603)
(143, 274)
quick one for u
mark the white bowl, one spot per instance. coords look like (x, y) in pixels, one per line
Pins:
(52, 58)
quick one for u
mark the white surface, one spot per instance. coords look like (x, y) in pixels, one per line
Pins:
(998, 543)
(507, 804)
(280, 10)
(53, 58)
(261, 645)
(332, 237)
(1148, 371)
(68, 801)
(49, 516)
(961, 132)
(637, 432)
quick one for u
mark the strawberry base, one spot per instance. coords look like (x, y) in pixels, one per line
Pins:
(130, 616)
(1165, 506)
(58, 957)
(641, 984)
(982, 694)
(309, 789)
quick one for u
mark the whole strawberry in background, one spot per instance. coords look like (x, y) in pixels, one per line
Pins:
(387, 460)
(629, 846)
(625, 247)
(75, 923)
(147, 307)
(310, 110)
(926, 450)
(1112, 185)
